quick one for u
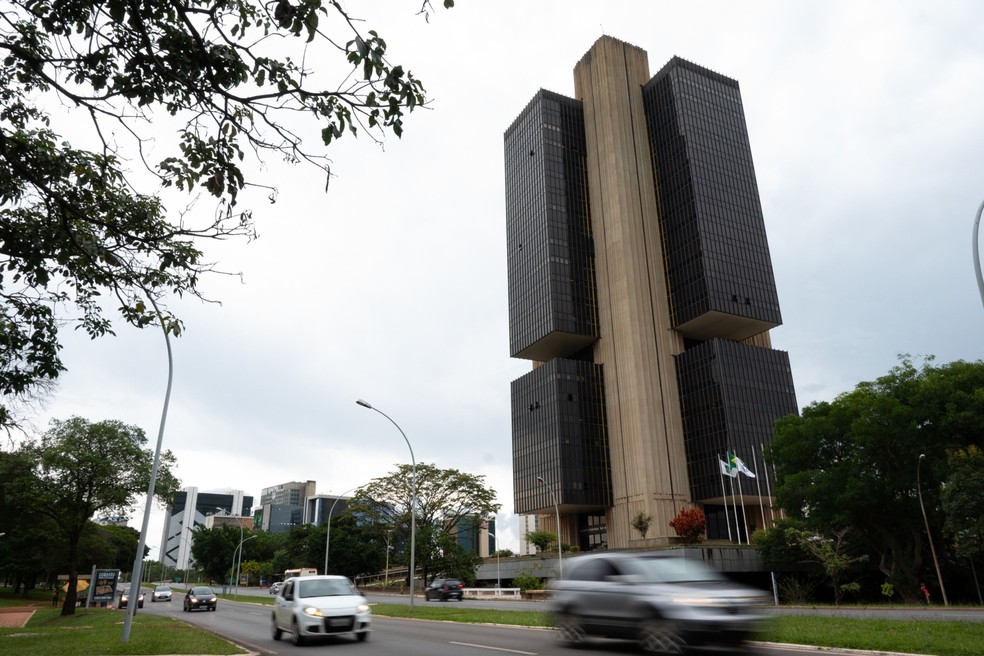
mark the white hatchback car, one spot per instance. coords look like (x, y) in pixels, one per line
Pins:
(312, 606)
(161, 593)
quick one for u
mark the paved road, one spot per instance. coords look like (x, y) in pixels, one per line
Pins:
(248, 624)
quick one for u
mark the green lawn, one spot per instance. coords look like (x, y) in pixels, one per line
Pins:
(98, 631)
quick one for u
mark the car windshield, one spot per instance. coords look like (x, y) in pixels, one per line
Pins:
(324, 588)
(670, 570)
(163, 588)
(201, 591)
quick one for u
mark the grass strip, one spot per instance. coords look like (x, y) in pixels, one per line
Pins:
(99, 630)
(906, 636)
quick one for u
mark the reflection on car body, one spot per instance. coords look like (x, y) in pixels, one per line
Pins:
(321, 605)
(666, 602)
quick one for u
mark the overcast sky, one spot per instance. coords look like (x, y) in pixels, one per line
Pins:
(866, 122)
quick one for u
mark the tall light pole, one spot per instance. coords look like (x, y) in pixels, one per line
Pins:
(328, 535)
(929, 536)
(560, 545)
(413, 497)
(977, 254)
(240, 565)
(233, 569)
(151, 486)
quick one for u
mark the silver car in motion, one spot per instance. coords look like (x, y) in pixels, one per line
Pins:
(319, 606)
(665, 602)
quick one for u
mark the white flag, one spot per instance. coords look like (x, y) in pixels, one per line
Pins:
(727, 469)
(738, 465)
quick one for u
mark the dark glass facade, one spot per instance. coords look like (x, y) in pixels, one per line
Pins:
(559, 433)
(716, 253)
(719, 280)
(552, 306)
(731, 394)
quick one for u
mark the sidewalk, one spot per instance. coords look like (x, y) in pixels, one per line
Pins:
(16, 617)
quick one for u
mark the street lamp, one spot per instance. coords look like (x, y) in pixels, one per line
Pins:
(560, 546)
(151, 486)
(239, 567)
(233, 570)
(330, 511)
(413, 497)
(977, 255)
(929, 536)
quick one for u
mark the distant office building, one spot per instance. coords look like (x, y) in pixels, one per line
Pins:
(527, 525)
(641, 289)
(189, 509)
(317, 508)
(288, 494)
(282, 506)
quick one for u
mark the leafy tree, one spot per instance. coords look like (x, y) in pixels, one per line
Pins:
(541, 539)
(689, 525)
(251, 569)
(963, 501)
(228, 79)
(852, 463)
(641, 522)
(214, 548)
(81, 469)
(833, 554)
(357, 547)
(445, 500)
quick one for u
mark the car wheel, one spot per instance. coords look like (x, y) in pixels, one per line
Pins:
(659, 636)
(213, 608)
(362, 637)
(276, 629)
(570, 630)
(296, 636)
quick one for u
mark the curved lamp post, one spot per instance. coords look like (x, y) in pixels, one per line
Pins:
(413, 497)
(977, 255)
(239, 567)
(560, 544)
(142, 541)
(233, 569)
(929, 536)
(330, 511)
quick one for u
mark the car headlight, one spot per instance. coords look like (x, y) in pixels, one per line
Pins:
(362, 609)
(314, 612)
(696, 601)
(194, 599)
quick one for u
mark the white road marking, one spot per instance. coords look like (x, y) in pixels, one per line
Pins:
(509, 651)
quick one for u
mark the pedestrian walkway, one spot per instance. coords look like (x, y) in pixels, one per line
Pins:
(15, 617)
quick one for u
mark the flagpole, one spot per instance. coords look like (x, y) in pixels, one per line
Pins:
(768, 486)
(758, 488)
(724, 495)
(744, 518)
(734, 506)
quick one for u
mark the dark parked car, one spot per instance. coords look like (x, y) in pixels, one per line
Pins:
(666, 603)
(125, 597)
(445, 589)
(199, 597)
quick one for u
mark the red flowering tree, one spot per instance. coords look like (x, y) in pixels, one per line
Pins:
(689, 525)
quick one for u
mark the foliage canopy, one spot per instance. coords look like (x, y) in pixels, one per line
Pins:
(853, 463)
(229, 79)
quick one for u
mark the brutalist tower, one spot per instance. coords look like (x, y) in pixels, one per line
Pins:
(641, 289)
